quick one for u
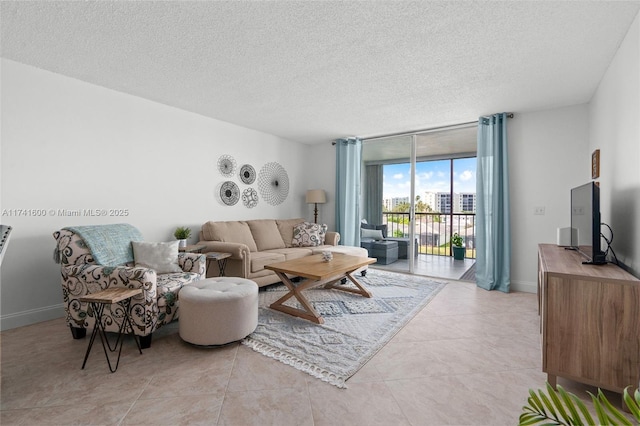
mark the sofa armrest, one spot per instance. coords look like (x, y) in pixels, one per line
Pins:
(332, 238)
(193, 262)
(240, 253)
(236, 250)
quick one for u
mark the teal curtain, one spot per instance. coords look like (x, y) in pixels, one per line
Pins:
(493, 239)
(348, 168)
(373, 194)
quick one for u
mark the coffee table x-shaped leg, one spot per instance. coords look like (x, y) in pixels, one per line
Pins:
(308, 312)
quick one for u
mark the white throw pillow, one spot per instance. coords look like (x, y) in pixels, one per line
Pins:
(376, 234)
(161, 257)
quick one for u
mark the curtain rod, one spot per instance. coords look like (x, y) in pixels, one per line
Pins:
(430, 130)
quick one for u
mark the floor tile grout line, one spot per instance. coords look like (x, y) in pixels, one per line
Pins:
(226, 388)
(384, 382)
(135, 401)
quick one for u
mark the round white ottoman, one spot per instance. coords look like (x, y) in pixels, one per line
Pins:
(216, 311)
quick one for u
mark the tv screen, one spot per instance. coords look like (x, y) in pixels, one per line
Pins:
(585, 222)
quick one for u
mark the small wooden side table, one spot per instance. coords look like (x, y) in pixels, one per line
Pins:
(221, 258)
(192, 248)
(98, 301)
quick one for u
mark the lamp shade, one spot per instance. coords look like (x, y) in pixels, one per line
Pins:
(316, 196)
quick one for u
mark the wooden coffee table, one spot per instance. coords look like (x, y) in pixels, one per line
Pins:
(316, 273)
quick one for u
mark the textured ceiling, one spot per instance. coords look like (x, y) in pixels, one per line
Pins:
(315, 71)
(430, 145)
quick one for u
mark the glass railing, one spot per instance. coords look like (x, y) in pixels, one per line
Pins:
(434, 230)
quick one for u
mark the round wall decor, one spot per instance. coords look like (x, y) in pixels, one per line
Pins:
(229, 193)
(247, 174)
(250, 198)
(226, 165)
(273, 183)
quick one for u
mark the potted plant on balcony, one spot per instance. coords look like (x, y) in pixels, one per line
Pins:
(457, 247)
(182, 233)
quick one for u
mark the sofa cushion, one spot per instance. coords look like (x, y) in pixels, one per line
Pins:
(266, 234)
(261, 258)
(376, 234)
(161, 257)
(307, 235)
(293, 252)
(286, 229)
(233, 231)
(382, 228)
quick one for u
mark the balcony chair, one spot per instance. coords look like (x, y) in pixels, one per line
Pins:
(94, 258)
(368, 237)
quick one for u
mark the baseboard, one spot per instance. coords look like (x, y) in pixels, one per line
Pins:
(525, 287)
(32, 316)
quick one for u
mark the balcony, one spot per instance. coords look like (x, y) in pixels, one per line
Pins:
(433, 232)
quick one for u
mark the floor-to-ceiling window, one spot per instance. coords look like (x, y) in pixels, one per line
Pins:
(422, 187)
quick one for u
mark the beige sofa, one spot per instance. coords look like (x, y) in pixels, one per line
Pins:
(256, 243)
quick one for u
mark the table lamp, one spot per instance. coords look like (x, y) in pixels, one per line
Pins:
(316, 196)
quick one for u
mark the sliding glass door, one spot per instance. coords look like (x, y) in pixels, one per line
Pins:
(421, 188)
(388, 188)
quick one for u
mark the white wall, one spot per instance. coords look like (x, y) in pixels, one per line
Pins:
(548, 155)
(71, 145)
(322, 175)
(614, 128)
(550, 152)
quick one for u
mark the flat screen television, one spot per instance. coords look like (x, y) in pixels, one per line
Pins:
(585, 223)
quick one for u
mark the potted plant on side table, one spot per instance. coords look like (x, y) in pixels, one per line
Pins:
(457, 247)
(182, 233)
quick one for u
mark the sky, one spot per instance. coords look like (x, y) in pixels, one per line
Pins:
(431, 176)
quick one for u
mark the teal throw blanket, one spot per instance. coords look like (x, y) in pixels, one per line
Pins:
(110, 245)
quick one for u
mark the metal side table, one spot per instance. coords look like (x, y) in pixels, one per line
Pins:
(221, 258)
(98, 301)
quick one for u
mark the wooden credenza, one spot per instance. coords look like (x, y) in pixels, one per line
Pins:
(589, 319)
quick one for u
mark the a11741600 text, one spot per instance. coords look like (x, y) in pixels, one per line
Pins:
(65, 212)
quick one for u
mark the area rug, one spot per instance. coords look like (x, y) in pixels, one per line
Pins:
(355, 327)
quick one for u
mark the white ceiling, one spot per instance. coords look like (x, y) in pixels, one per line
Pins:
(315, 71)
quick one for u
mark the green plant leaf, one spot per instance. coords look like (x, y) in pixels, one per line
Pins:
(559, 407)
(574, 418)
(615, 413)
(634, 407)
(588, 419)
(530, 419)
(536, 403)
(558, 404)
(182, 232)
(603, 419)
(549, 405)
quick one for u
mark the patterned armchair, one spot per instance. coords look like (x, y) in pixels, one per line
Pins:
(82, 274)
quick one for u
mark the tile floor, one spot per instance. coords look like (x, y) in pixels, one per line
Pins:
(434, 266)
(469, 357)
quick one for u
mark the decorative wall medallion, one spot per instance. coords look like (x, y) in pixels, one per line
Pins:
(226, 165)
(229, 193)
(247, 174)
(250, 198)
(273, 183)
